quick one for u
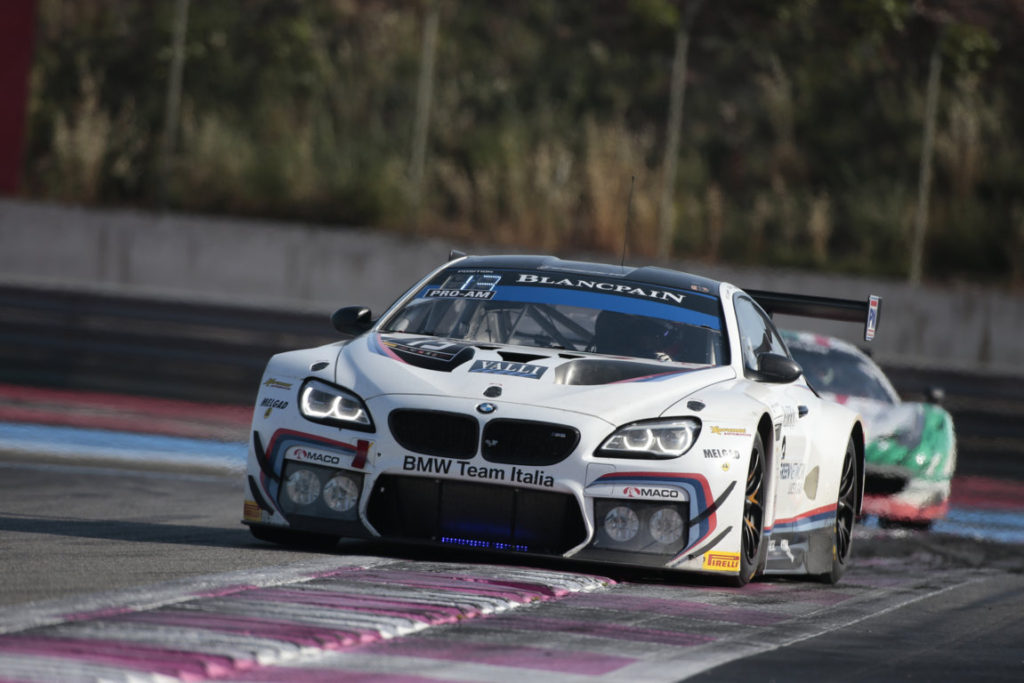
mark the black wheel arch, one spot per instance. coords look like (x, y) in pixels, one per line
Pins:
(858, 444)
(765, 429)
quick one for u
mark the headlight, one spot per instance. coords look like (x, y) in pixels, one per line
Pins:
(654, 439)
(323, 402)
(302, 487)
(621, 524)
(666, 525)
(341, 493)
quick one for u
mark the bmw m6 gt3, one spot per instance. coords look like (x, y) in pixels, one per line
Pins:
(527, 404)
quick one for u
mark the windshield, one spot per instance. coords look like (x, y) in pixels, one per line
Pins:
(570, 311)
(832, 371)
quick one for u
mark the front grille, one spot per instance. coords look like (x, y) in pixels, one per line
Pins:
(883, 484)
(481, 515)
(523, 442)
(432, 432)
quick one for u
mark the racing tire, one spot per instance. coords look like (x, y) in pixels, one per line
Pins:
(846, 517)
(753, 548)
(294, 539)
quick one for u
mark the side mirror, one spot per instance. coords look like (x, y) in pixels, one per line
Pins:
(936, 395)
(352, 320)
(778, 369)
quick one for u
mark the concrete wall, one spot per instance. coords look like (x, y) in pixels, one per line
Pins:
(319, 268)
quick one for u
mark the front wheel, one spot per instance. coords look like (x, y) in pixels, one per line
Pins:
(753, 549)
(846, 513)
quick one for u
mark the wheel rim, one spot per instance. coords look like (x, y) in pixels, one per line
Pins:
(846, 508)
(753, 506)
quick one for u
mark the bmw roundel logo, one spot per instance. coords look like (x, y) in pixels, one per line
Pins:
(486, 408)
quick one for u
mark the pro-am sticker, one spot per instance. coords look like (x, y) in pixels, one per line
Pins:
(315, 456)
(458, 294)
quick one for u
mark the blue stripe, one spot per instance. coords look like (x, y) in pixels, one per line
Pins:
(820, 520)
(91, 444)
(602, 302)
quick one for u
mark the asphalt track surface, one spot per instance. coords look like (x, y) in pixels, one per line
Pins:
(112, 572)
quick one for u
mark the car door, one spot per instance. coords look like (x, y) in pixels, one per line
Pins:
(789, 405)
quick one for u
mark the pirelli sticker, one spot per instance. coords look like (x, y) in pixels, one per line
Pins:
(721, 562)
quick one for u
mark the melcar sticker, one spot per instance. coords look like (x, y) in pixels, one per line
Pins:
(273, 403)
(721, 453)
(270, 404)
(416, 463)
(502, 367)
(721, 562)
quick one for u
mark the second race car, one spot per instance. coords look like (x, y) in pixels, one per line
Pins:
(911, 450)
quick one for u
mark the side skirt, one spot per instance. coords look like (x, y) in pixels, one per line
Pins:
(799, 552)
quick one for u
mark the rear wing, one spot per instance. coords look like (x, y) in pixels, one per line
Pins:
(849, 310)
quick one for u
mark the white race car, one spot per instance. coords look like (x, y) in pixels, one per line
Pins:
(526, 404)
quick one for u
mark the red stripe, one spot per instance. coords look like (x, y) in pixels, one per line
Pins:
(992, 494)
(883, 506)
(137, 414)
(362, 449)
(804, 515)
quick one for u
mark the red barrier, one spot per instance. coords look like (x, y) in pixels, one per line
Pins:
(17, 30)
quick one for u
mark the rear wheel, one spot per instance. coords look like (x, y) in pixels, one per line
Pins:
(846, 513)
(753, 548)
(294, 539)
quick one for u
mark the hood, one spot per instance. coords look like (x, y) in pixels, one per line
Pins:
(614, 389)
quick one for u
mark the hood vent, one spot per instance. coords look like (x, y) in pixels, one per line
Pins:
(514, 357)
(591, 371)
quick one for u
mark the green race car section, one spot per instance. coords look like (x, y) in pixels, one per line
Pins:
(923, 450)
